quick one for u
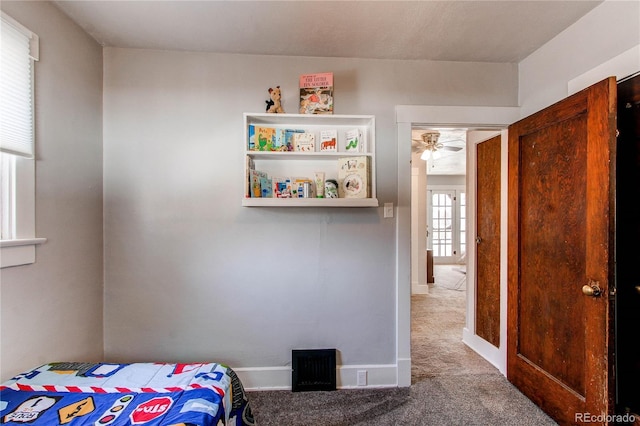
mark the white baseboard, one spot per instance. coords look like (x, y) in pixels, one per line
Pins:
(417, 288)
(279, 378)
(265, 378)
(404, 372)
(485, 349)
(378, 376)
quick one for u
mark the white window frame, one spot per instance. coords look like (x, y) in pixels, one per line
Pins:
(20, 246)
(456, 221)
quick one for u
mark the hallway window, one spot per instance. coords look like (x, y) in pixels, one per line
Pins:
(447, 224)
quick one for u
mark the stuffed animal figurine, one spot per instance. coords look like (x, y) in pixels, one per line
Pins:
(273, 104)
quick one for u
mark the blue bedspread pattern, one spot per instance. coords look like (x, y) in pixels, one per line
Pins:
(151, 394)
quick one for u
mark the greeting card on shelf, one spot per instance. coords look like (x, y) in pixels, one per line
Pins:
(316, 93)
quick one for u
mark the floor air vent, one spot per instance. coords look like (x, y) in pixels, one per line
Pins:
(313, 370)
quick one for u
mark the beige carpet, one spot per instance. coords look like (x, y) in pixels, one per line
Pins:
(437, 320)
(451, 384)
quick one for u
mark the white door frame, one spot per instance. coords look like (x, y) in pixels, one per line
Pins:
(437, 116)
(496, 356)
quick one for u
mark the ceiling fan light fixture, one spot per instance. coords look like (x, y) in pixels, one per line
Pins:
(430, 140)
(430, 155)
(431, 145)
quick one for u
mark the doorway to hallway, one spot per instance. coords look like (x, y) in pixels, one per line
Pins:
(437, 321)
(407, 119)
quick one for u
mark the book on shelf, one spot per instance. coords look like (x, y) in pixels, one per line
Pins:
(256, 180)
(304, 141)
(265, 138)
(329, 140)
(262, 138)
(289, 135)
(251, 136)
(354, 177)
(316, 93)
(354, 142)
(266, 187)
(281, 187)
(280, 142)
(250, 167)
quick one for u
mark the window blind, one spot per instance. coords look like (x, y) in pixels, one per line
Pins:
(19, 49)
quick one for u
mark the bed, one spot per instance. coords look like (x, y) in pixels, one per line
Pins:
(126, 394)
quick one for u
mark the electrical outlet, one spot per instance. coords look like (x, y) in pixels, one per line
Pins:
(362, 378)
(388, 209)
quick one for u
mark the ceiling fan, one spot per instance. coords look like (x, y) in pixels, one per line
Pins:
(429, 143)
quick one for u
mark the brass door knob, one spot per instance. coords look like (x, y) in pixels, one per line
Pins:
(592, 289)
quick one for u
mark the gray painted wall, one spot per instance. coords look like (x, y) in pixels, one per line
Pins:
(602, 34)
(186, 267)
(192, 275)
(52, 310)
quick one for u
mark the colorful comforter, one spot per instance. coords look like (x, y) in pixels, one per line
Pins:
(150, 394)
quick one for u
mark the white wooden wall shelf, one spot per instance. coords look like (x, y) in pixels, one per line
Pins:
(295, 164)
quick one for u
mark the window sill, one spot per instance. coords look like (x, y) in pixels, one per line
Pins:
(19, 252)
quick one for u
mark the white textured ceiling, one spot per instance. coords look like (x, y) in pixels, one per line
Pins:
(453, 30)
(485, 31)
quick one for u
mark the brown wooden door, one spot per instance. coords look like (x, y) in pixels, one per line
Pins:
(561, 228)
(488, 240)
